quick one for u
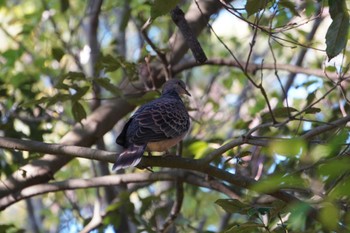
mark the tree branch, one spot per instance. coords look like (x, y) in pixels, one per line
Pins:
(170, 162)
(113, 180)
(253, 67)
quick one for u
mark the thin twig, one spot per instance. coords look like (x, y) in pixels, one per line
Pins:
(175, 210)
(253, 67)
(259, 86)
(160, 55)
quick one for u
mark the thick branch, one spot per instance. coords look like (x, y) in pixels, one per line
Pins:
(56, 149)
(170, 162)
(112, 180)
(323, 128)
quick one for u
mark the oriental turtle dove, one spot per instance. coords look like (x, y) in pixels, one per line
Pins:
(155, 126)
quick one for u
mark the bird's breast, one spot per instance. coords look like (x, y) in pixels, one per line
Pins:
(164, 145)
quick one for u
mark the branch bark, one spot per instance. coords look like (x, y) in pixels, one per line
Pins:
(113, 180)
(170, 162)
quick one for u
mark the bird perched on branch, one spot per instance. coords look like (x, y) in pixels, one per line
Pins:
(155, 126)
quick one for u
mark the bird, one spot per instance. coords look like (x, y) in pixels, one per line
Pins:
(156, 126)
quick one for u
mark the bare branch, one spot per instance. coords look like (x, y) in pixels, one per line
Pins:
(324, 128)
(113, 180)
(178, 17)
(56, 149)
(175, 210)
(253, 67)
(232, 144)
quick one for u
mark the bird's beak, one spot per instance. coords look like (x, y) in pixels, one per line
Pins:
(186, 92)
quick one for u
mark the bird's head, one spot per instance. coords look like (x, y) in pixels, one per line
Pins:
(176, 85)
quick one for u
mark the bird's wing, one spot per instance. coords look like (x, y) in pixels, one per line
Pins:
(121, 139)
(159, 120)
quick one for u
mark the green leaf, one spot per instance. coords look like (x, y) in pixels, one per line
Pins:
(337, 7)
(80, 93)
(298, 216)
(76, 76)
(336, 37)
(198, 148)
(58, 98)
(78, 111)
(277, 182)
(333, 169)
(12, 55)
(57, 53)
(312, 110)
(341, 190)
(290, 5)
(161, 7)
(125, 20)
(106, 84)
(329, 216)
(310, 98)
(10, 228)
(64, 5)
(228, 82)
(233, 206)
(108, 63)
(35, 102)
(282, 112)
(253, 6)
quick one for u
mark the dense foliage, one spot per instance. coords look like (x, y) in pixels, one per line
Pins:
(268, 147)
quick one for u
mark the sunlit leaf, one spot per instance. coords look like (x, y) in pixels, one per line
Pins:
(12, 55)
(198, 148)
(276, 182)
(341, 190)
(329, 216)
(298, 215)
(161, 7)
(283, 112)
(287, 147)
(333, 169)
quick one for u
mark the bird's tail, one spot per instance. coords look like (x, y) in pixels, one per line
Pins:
(130, 157)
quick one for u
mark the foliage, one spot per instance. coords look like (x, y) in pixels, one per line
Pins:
(269, 141)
